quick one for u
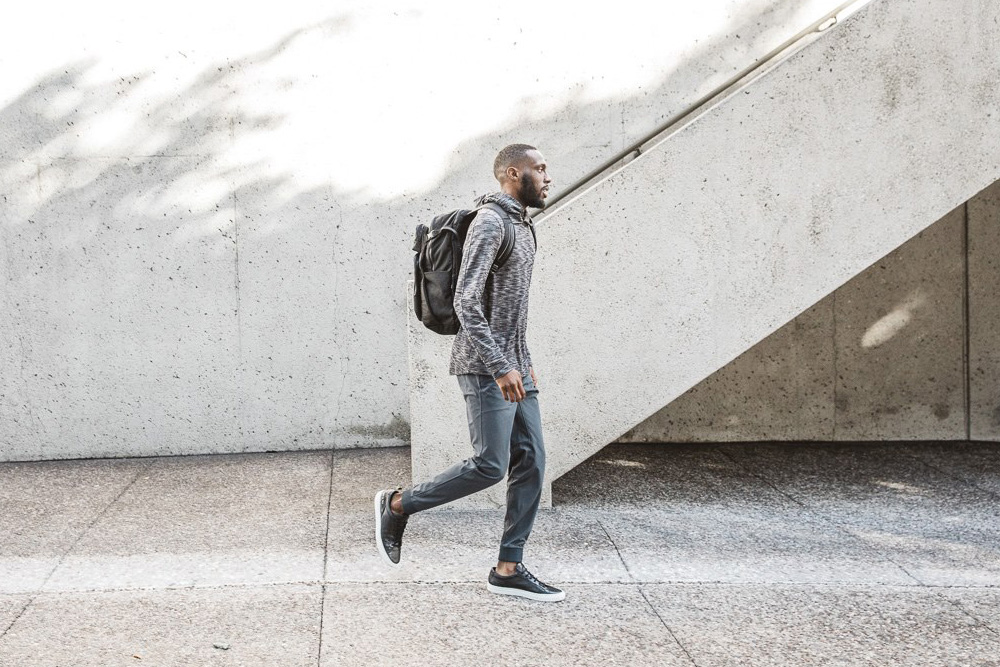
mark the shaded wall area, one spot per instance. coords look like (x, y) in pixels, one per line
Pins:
(907, 350)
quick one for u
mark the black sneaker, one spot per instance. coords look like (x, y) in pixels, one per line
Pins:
(388, 527)
(523, 584)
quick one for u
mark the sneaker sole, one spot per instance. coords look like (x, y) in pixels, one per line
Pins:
(517, 592)
(378, 530)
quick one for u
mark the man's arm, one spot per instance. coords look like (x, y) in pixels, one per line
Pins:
(481, 246)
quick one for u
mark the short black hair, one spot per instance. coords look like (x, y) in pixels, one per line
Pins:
(508, 155)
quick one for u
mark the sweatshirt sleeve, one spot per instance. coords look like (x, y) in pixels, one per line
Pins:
(481, 246)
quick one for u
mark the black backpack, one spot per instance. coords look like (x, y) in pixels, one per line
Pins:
(438, 260)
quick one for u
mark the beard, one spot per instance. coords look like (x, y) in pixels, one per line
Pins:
(531, 194)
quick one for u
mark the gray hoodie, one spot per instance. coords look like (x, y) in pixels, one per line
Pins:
(494, 316)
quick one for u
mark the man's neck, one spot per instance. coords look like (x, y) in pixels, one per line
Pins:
(514, 196)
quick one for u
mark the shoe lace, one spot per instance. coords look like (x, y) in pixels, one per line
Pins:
(532, 578)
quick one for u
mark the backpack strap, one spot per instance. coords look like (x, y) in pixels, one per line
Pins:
(509, 237)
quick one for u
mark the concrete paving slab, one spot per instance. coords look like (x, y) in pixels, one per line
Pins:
(837, 472)
(822, 625)
(462, 546)
(975, 463)
(743, 544)
(981, 603)
(941, 531)
(205, 520)
(450, 545)
(681, 513)
(11, 607)
(631, 475)
(463, 624)
(46, 506)
(273, 625)
(359, 473)
(25, 575)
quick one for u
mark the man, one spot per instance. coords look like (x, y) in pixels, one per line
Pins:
(490, 357)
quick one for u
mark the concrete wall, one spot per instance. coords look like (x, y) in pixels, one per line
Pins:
(881, 358)
(984, 315)
(205, 225)
(743, 218)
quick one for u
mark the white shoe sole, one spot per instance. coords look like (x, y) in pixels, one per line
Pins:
(378, 530)
(517, 592)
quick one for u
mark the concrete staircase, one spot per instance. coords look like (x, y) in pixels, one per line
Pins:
(737, 220)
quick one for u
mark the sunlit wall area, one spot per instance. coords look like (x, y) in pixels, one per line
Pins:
(207, 211)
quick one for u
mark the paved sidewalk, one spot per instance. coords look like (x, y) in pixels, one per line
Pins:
(710, 555)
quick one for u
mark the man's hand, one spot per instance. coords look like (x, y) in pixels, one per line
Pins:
(511, 387)
(534, 380)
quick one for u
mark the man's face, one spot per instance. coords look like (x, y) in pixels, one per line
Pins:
(533, 185)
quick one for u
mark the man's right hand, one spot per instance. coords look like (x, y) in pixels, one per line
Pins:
(511, 387)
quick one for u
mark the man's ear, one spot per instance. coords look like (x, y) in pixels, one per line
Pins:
(512, 173)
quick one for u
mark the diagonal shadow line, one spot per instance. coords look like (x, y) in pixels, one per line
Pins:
(819, 515)
(71, 547)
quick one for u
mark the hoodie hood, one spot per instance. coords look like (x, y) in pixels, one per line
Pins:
(505, 201)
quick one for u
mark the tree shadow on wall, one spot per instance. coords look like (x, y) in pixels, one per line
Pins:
(168, 299)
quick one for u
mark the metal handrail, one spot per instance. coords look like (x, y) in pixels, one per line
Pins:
(828, 21)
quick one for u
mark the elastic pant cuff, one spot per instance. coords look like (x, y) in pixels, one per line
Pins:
(511, 554)
(406, 501)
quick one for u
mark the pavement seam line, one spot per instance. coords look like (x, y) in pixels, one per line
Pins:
(617, 551)
(973, 485)
(822, 517)
(643, 594)
(471, 582)
(664, 623)
(72, 546)
(326, 555)
(24, 608)
(968, 613)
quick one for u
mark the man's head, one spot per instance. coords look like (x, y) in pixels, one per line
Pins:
(522, 173)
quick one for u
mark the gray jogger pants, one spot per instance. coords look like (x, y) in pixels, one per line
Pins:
(506, 438)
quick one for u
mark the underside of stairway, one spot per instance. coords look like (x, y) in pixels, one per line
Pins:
(733, 222)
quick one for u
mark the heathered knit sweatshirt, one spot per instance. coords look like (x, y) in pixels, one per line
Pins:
(494, 317)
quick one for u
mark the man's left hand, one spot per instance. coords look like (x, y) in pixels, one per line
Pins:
(534, 380)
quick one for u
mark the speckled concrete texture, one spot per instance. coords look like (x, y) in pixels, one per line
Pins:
(900, 342)
(937, 531)
(974, 463)
(11, 607)
(600, 625)
(276, 625)
(205, 241)
(981, 604)
(984, 314)
(46, 509)
(819, 625)
(711, 519)
(716, 554)
(195, 521)
(709, 257)
(780, 389)
(885, 353)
